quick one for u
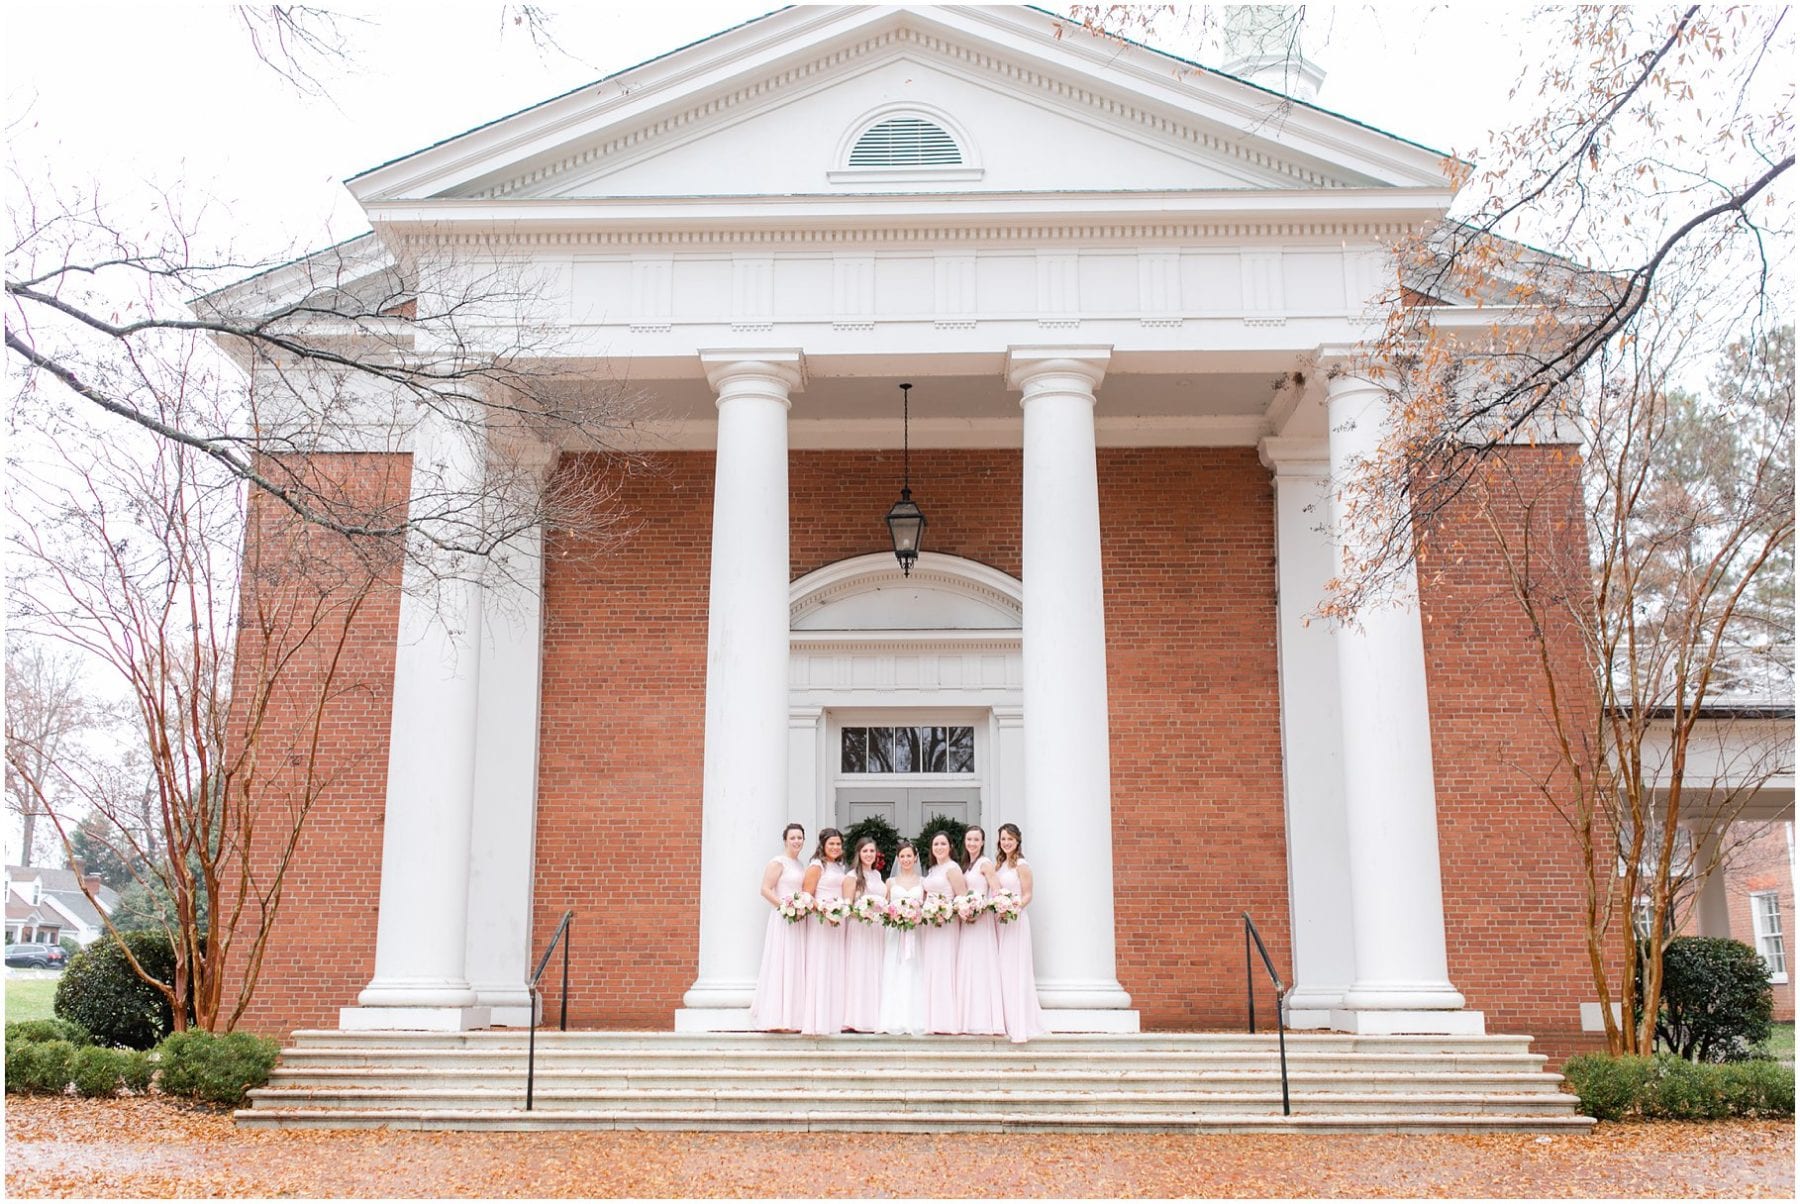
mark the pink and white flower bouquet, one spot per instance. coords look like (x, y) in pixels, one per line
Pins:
(969, 907)
(868, 910)
(796, 907)
(1006, 905)
(937, 911)
(903, 915)
(832, 911)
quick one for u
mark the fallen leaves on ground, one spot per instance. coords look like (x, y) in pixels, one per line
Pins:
(150, 1146)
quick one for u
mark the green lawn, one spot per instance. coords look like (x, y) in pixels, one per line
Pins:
(35, 999)
(1781, 1042)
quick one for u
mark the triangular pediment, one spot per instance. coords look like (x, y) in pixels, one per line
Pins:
(1031, 103)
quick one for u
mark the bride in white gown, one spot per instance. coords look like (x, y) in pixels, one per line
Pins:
(902, 982)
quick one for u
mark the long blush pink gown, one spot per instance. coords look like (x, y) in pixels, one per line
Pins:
(978, 966)
(937, 956)
(780, 1000)
(1018, 979)
(823, 1013)
(864, 947)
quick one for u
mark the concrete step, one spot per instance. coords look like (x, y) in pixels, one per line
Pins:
(1196, 1103)
(714, 1043)
(1151, 1082)
(887, 1121)
(959, 1063)
(651, 1078)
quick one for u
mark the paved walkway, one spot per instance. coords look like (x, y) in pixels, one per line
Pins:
(153, 1147)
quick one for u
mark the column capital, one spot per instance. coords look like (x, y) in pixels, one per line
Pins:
(727, 365)
(1295, 456)
(1026, 365)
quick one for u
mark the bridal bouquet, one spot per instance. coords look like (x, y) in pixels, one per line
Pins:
(833, 911)
(868, 910)
(937, 911)
(1006, 906)
(796, 907)
(969, 907)
(903, 915)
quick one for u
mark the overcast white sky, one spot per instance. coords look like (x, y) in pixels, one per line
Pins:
(170, 93)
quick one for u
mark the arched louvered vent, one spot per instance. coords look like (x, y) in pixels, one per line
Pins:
(905, 142)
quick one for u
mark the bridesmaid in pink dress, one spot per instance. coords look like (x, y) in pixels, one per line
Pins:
(823, 1011)
(781, 982)
(937, 946)
(978, 951)
(864, 944)
(1018, 980)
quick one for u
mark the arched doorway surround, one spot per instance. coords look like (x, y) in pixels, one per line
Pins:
(870, 648)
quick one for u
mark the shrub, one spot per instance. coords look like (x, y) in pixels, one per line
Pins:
(98, 1071)
(47, 1030)
(139, 1069)
(1670, 1088)
(101, 992)
(1607, 1087)
(939, 823)
(1717, 1005)
(218, 1068)
(40, 1067)
(1681, 1090)
(70, 946)
(885, 835)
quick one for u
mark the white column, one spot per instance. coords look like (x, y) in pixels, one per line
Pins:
(744, 790)
(1402, 981)
(1312, 739)
(502, 854)
(1068, 766)
(1712, 906)
(421, 980)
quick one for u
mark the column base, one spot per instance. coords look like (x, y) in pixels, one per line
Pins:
(1311, 1007)
(403, 1019)
(713, 1020)
(1091, 1020)
(1082, 995)
(708, 995)
(1393, 1022)
(1308, 1018)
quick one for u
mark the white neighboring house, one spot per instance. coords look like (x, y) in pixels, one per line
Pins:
(47, 905)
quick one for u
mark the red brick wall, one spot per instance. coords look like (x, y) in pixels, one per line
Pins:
(1197, 787)
(1197, 795)
(1511, 871)
(321, 950)
(1759, 862)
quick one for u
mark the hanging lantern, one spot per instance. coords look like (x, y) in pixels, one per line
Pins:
(906, 522)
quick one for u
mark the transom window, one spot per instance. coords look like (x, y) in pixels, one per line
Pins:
(908, 750)
(905, 142)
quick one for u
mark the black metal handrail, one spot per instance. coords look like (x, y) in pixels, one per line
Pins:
(1251, 934)
(561, 934)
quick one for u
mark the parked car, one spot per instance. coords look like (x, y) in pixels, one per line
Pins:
(45, 957)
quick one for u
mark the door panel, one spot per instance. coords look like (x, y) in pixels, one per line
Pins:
(907, 807)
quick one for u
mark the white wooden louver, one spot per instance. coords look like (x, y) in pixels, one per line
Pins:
(905, 142)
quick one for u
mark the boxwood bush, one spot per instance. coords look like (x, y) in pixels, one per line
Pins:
(216, 1067)
(1670, 1088)
(102, 993)
(98, 1071)
(1717, 1004)
(47, 1030)
(39, 1067)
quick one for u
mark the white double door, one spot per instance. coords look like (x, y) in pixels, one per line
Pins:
(908, 808)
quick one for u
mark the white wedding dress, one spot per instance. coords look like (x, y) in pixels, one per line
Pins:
(902, 978)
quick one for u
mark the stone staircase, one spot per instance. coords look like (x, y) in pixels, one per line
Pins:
(1150, 1082)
